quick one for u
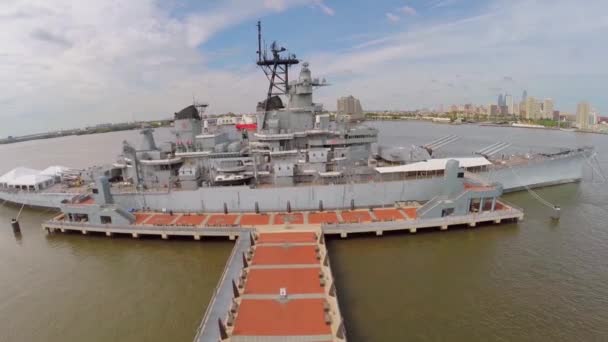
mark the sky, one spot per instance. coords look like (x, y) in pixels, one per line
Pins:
(72, 63)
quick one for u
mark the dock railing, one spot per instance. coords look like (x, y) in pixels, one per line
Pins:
(170, 230)
(242, 239)
(417, 223)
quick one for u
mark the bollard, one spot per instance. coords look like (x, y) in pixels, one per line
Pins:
(556, 213)
(15, 225)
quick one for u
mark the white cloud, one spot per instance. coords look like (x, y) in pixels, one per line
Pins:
(277, 5)
(517, 38)
(442, 3)
(408, 10)
(324, 8)
(392, 17)
(71, 63)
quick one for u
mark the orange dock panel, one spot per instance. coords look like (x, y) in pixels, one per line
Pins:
(222, 220)
(273, 318)
(322, 217)
(190, 220)
(284, 255)
(161, 219)
(294, 237)
(140, 218)
(295, 280)
(410, 212)
(293, 218)
(356, 216)
(388, 214)
(255, 219)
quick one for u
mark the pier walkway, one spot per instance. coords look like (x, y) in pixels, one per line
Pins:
(280, 288)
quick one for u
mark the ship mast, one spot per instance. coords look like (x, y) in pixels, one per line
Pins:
(276, 69)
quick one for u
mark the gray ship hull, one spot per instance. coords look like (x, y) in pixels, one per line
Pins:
(559, 170)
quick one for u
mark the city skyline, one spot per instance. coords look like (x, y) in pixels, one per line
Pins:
(71, 64)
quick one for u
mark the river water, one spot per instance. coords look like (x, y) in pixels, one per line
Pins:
(537, 280)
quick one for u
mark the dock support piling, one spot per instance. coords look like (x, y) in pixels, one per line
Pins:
(472, 224)
(165, 236)
(445, 227)
(84, 232)
(109, 234)
(343, 235)
(497, 221)
(135, 235)
(412, 230)
(378, 233)
(15, 225)
(197, 237)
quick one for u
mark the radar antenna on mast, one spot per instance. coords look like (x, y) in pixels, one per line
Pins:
(276, 69)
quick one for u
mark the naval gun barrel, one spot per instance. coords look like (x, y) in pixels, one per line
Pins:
(487, 148)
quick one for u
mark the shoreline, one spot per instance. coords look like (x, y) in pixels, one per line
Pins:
(489, 124)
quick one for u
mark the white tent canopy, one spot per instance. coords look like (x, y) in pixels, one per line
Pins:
(55, 171)
(26, 179)
(434, 165)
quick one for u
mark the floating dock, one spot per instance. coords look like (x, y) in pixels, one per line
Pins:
(277, 284)
(340, 222)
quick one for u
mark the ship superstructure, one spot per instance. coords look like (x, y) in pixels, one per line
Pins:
(296, 143)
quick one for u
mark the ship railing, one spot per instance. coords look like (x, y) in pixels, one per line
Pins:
(155, 228)
(235, 251)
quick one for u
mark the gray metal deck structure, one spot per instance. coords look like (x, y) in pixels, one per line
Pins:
(209, 330)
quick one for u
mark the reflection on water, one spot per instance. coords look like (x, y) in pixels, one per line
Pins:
(538, 280)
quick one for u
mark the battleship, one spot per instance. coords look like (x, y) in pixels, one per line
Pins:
(296, 157)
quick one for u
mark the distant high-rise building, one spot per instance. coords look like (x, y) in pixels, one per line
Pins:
(524, 96)
(509, 103)
(351, 107)
(500, 100)
(583, 109)
(516, 109)
(548, 109)
(532, 109)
